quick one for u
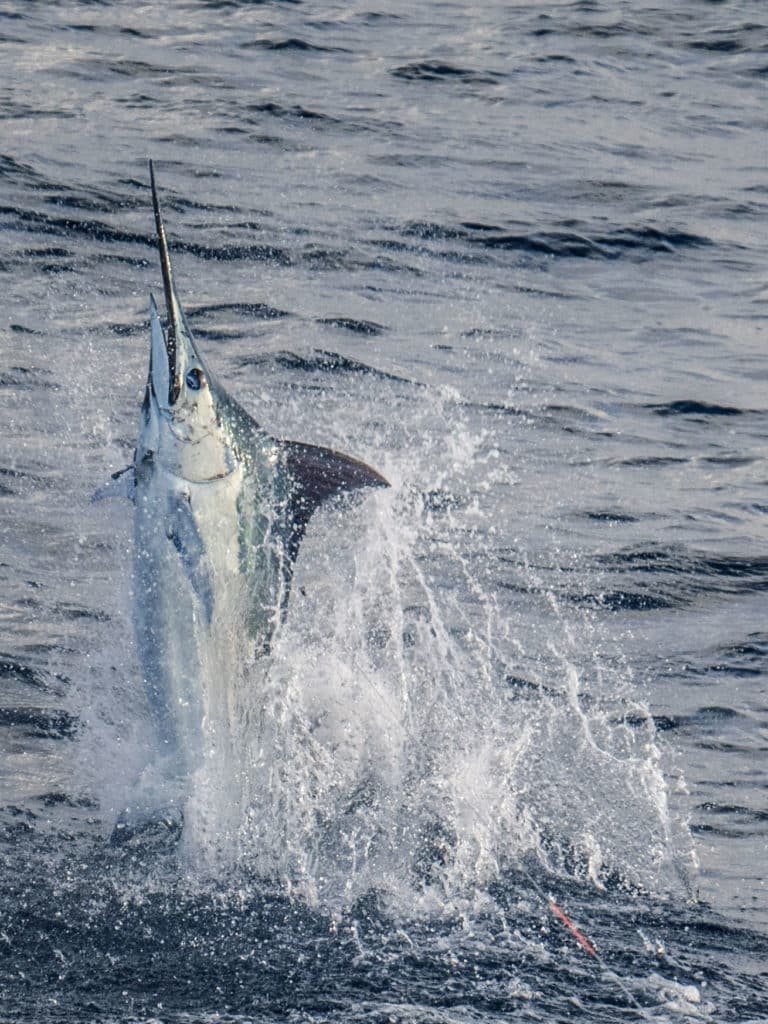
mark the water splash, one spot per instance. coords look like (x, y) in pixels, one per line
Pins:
(415, 731)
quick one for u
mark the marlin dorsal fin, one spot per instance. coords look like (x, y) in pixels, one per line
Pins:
(318, 474)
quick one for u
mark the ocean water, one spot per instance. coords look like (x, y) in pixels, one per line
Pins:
(513, 256)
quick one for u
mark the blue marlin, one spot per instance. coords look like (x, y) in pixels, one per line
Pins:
(221, 507)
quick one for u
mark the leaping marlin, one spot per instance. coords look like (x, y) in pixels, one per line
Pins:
(221, 509)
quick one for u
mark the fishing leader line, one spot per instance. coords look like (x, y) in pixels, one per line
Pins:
(584, 942)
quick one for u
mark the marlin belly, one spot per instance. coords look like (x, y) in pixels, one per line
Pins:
(189, 587)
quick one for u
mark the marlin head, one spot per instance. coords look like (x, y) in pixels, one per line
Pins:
(180, 403)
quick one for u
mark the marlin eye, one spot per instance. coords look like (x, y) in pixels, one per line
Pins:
(194, 379)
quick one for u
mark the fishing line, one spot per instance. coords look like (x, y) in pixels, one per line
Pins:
(584, 942)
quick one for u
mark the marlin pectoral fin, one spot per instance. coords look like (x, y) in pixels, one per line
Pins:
(185, 537)
(122, 484)
(317, 475)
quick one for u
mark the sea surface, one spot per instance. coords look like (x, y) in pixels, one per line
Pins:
(515, 256)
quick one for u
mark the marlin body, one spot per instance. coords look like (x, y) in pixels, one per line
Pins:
(221, 507)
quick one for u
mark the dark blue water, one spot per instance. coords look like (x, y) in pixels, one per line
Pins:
(513, 256)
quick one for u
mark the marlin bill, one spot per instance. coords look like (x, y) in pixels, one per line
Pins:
(221, 508)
